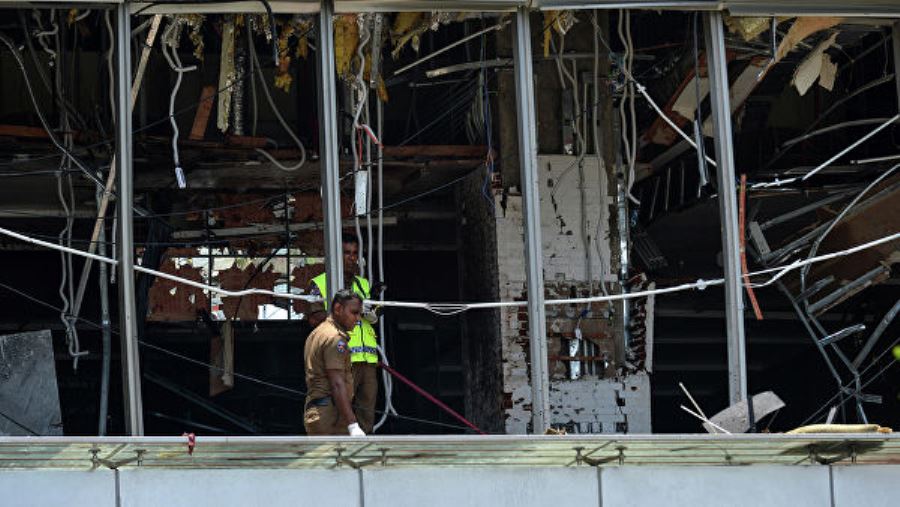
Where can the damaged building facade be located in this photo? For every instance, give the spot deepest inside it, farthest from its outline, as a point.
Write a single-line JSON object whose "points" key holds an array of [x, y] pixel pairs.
{"points": [[580, 213]]}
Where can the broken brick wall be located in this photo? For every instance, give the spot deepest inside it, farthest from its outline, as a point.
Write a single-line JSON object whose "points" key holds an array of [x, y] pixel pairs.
{"points": [[173, 302], [605, 396]]}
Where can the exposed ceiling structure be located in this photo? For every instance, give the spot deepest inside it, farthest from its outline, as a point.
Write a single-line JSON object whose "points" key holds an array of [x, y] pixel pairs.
{"points": [[227, 181]]}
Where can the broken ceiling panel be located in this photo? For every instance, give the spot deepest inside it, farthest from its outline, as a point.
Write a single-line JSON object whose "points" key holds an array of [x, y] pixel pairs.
{"points": [[686, 104], [812, 66], [800, 30], [829, 72]]}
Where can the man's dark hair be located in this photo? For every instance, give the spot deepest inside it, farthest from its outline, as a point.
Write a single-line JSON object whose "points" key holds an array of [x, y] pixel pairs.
{"points": [[349, 238], [343, 296]]}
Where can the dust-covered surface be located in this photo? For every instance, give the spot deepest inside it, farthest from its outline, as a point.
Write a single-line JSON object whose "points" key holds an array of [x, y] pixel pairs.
{"points": [[29, 398]]}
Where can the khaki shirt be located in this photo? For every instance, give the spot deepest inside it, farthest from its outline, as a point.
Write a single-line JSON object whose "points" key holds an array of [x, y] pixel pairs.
{"points": [[326, 349]]}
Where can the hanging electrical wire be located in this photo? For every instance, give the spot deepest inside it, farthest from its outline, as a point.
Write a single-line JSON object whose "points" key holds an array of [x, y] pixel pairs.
{"points": [[66, 196], [628, 126], [68, 153], [170, 40], [278, 116], [456, 308], [601, 164]]}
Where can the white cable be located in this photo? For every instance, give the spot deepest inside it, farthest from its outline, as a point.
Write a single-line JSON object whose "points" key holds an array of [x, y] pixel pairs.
{"points": [[783, 270], [67, 285], [643, 91], [386, 378], [579, 125], [83, 15], [278, 116], [41, 33], [623, 119], [631, 107], [836, 220], [454, 308], [360, 93], [64, 311], [595, 123], [175, 64]]}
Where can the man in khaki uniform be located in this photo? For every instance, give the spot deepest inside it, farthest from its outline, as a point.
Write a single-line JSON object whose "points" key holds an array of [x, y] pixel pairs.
{"points": [[363, 341], [329, 381]]}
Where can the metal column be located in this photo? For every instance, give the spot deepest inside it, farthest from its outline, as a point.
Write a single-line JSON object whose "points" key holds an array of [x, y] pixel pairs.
{"points": [[131, 368], [728, 209], [328, 150], [537, 323], [895, 35]]}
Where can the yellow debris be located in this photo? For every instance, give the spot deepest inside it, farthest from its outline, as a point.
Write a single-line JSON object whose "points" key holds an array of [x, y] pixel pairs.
{"points": [[408, 28], [404, 22], [549, 18], [840, 428], [346, 38], [749, 28], [303, 47], [560, 21], [283, 78], [380, 87]]}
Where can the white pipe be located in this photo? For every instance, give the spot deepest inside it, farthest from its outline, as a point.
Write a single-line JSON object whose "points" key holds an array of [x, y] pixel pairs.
{"points": [[854, 145], [704, 419], [875, 160], [498, 26]]}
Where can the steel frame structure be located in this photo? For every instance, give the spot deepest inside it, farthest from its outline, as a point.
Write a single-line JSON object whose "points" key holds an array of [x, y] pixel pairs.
{"points": [[131, 369], [720, 100], [527, 143], [531, 204]]}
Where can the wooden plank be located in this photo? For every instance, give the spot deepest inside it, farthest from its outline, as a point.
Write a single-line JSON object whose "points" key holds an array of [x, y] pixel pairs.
{"points": [[246, 141], [660, 132], [22, 131], [204, 110]]}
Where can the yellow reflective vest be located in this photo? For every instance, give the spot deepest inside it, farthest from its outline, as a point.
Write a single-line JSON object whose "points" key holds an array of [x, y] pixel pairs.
{"points": [[363, 341]]}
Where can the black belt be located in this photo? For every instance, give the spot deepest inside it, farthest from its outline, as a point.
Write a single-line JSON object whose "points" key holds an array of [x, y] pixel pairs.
{"points": [[319, 402]]}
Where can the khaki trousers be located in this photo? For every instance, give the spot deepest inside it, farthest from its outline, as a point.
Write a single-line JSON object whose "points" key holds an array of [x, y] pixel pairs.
{"points": [[365, 394], [324, 420]]}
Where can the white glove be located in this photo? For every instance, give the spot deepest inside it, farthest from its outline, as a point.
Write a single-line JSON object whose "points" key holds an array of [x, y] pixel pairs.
{"points": [[370, 315], [355, 430]]}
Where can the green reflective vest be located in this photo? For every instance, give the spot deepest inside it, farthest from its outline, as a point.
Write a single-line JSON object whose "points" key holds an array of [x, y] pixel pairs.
{"points": [[363, 342]]}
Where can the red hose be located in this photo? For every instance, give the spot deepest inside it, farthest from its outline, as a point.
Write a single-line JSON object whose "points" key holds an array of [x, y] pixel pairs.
{"points": [[742, 218], [430, 398]]}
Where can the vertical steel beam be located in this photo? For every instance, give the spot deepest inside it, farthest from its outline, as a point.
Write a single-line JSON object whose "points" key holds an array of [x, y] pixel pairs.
{"points": [[728, 209], [328, 149], [537, 323], [131, 368], [895, 35]]}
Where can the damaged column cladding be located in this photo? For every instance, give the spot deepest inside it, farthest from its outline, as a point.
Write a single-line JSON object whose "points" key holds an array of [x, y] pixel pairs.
{"points": [[595, 385]]}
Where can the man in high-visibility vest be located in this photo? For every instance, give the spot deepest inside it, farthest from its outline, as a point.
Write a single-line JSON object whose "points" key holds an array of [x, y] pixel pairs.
{"points": [[363, 342]]}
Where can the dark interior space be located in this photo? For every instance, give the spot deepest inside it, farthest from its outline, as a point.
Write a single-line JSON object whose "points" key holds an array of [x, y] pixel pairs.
{"points": [[227, 192]]}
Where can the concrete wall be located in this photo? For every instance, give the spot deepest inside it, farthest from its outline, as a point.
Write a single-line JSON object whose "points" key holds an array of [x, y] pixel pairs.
{"points": [[607, 399], [675, 486]]}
